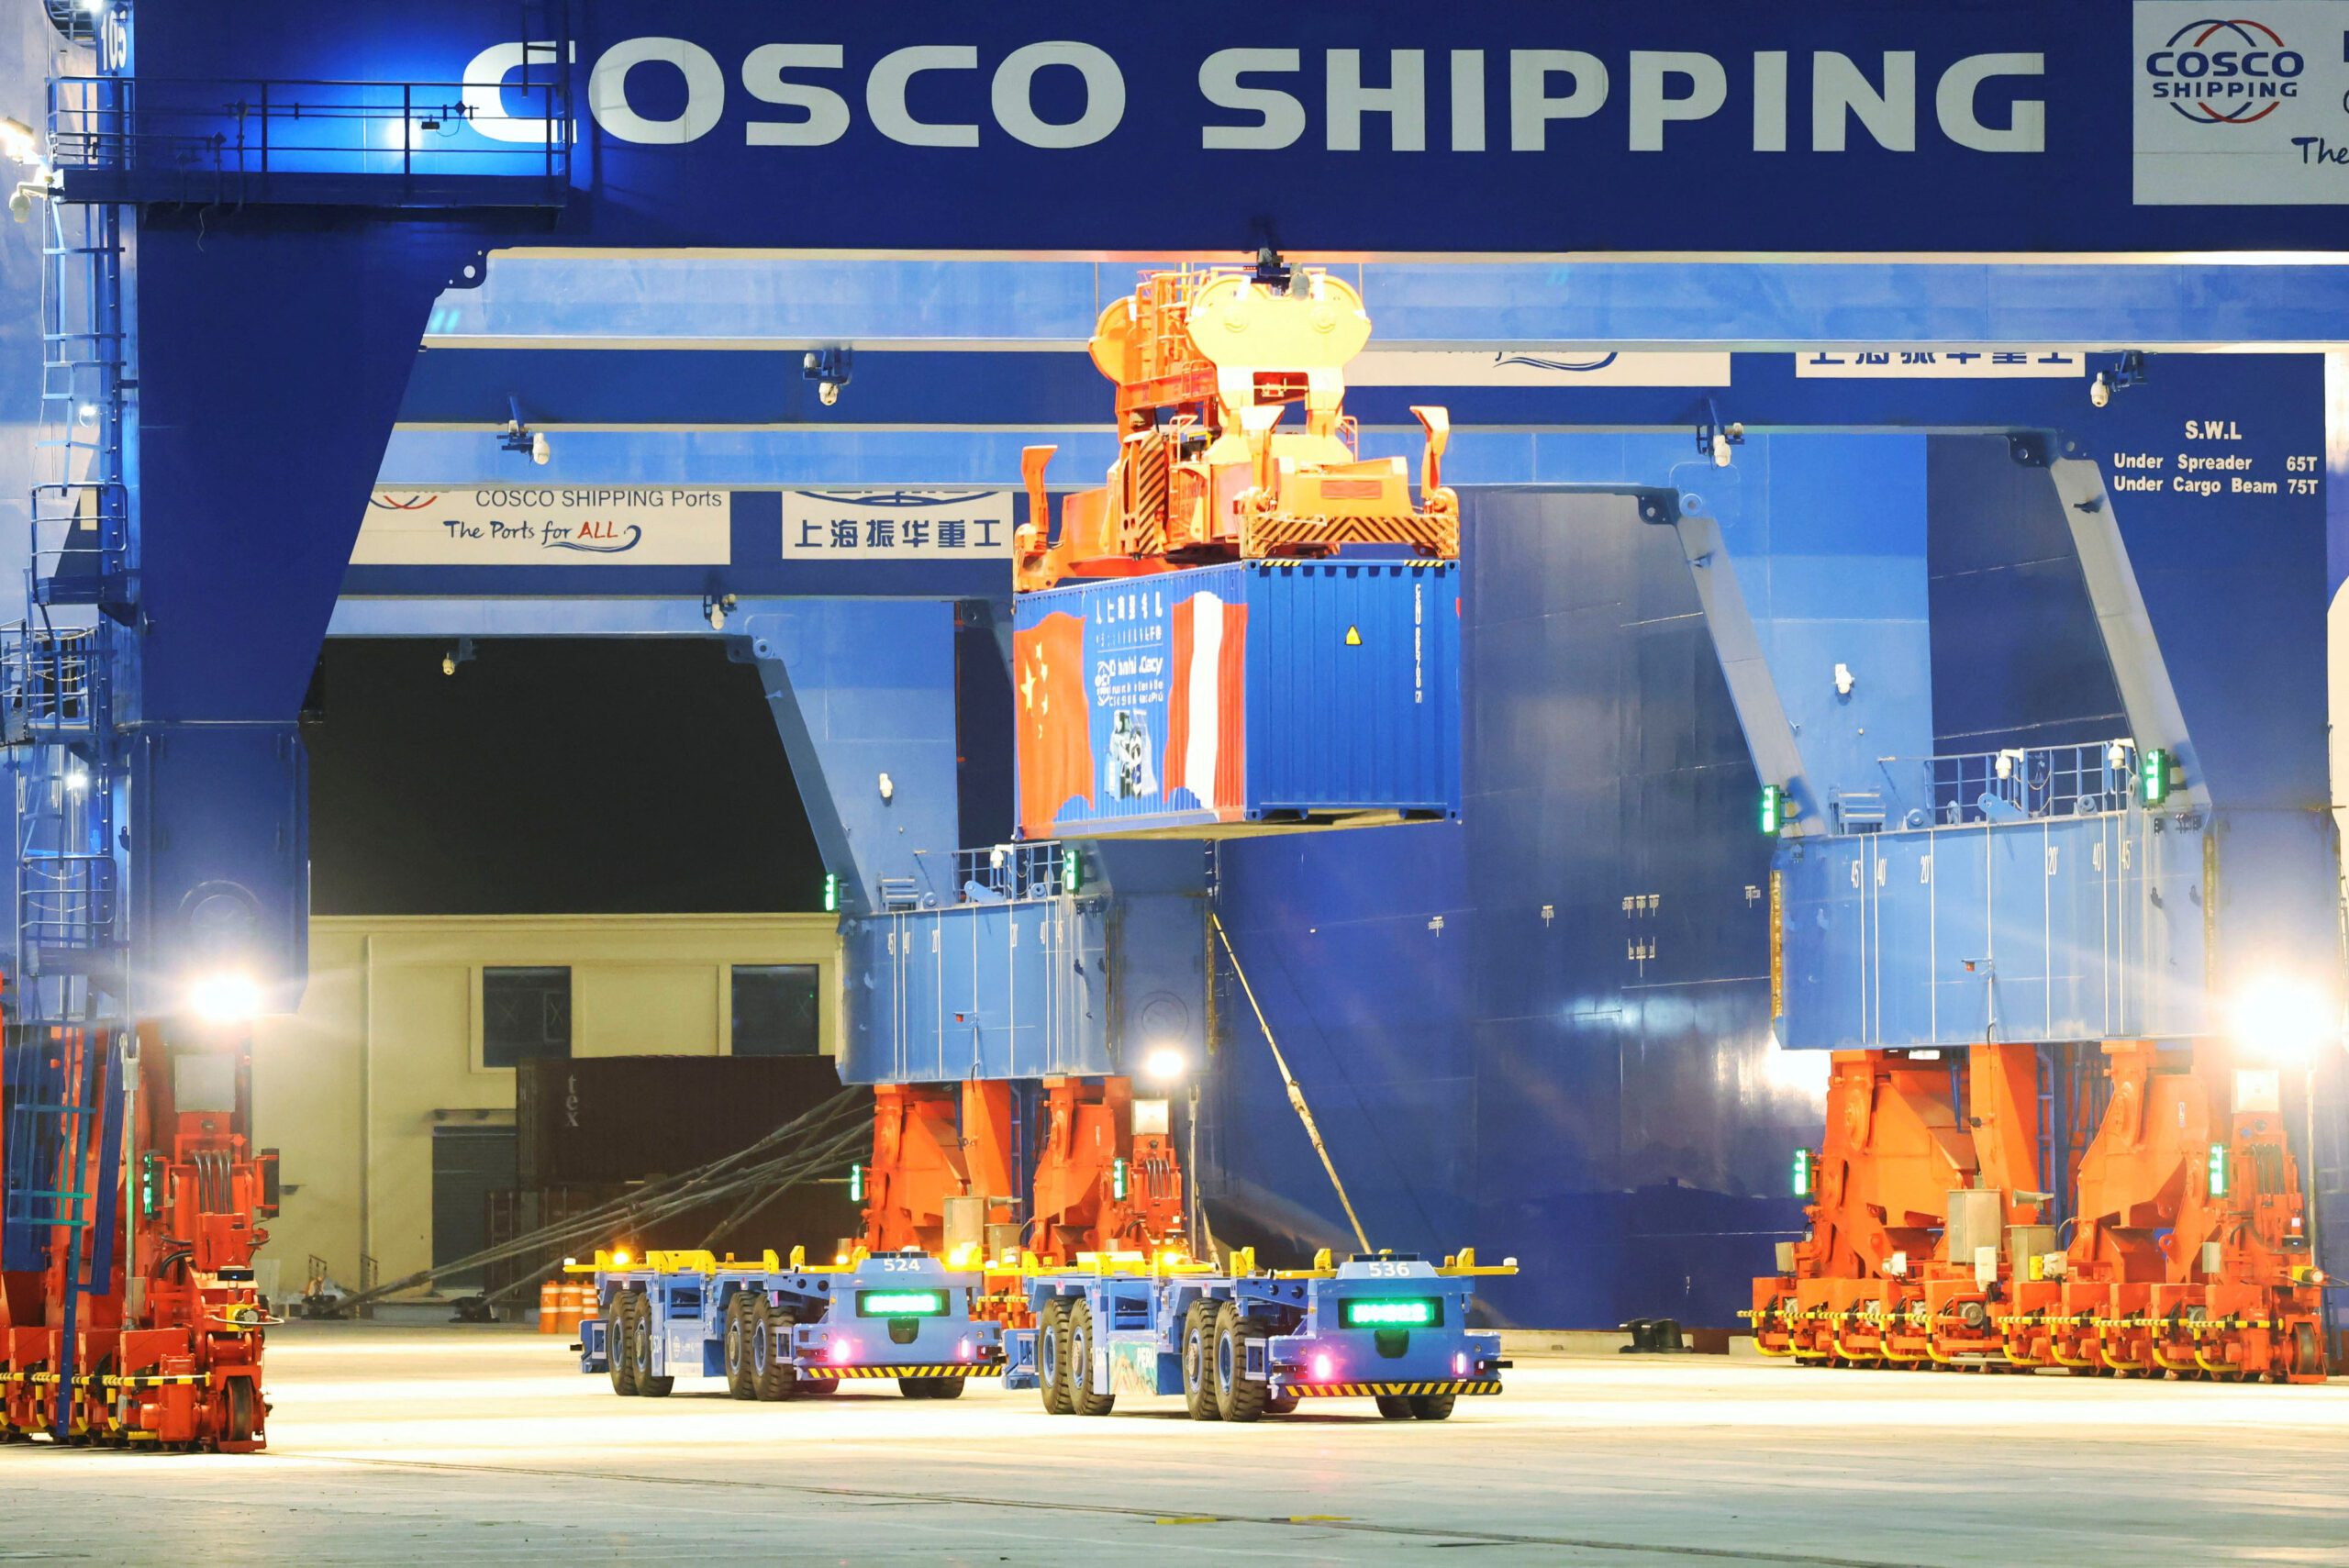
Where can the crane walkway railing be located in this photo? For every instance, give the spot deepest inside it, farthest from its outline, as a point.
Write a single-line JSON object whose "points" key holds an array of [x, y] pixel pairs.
{"points": [[233, 141]]}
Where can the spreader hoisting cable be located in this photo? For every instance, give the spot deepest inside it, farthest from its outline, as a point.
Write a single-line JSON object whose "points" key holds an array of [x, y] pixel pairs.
{"points": [[1296, 1094]]}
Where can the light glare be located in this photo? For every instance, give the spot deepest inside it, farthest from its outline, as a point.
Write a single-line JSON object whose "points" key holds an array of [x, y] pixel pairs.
{"points": [[2284, 1019], [1165, 1064], [225, 998]]}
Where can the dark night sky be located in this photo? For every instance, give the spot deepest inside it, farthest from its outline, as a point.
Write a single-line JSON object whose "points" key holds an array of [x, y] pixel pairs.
{"points": [[551, 776]]}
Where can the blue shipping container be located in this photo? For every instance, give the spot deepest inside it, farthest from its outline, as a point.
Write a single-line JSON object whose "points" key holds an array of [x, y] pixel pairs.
{"points": [[1228, 699]]}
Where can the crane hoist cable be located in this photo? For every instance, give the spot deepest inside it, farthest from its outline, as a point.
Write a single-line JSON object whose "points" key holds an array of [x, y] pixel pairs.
{"points": [[1296, 1094]]}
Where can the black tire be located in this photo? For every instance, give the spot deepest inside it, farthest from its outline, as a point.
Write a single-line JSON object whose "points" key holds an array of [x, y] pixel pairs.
{"points": [[1238, 1398], [807, 1386], [639, 1343], [773, 1375], [1082, 1399], [1052, 1356], [618, 1360], [1432, 1406], [241, 1414], [741, 1378], [2308, 1356], [1199, 1362], [918, 1387], [948, 1387], [1281, 1404], [1393, 1406]]}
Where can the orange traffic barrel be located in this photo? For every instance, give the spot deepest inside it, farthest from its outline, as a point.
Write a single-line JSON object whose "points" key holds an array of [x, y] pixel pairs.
{"points": [[551, 1306], [580, 1305]]}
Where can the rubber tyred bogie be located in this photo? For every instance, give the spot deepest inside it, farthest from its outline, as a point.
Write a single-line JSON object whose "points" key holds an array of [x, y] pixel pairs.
{"points": [[2188, 1259]]}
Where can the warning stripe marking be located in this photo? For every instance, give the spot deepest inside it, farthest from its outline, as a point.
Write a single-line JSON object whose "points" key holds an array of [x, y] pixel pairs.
{"points": [[88, 1380], [1372, 1390], [959, 1369]]}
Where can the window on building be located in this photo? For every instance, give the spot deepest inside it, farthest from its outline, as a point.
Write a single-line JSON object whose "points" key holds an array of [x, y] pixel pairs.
{"points": [[775, 1011], [524, 1013]]}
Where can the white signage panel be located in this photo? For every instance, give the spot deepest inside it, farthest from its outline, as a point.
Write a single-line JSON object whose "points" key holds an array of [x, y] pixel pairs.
{"points": [[545, 525], [896, 525], [2248, 107], [1548, 366]]}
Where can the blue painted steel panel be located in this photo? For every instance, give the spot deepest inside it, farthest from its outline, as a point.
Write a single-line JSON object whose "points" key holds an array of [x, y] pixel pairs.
{"points": [[1482, 1055], [1957, 897], [977, 991], [1084, 985], [1826, 988], [2014, 135], [2023, 937], [876, 302], [863, 690], [2011, 566], [219, 819], [1827, 535], [1231, 697], [2076, 927], [1902, 929]]}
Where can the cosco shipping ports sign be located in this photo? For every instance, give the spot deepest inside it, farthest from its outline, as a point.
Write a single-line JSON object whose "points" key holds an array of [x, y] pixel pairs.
{"points": [[545, 525], [1483, 125]]}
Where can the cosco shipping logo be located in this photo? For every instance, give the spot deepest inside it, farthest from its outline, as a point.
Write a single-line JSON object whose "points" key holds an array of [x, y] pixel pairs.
{"points": [[2217, 72]]}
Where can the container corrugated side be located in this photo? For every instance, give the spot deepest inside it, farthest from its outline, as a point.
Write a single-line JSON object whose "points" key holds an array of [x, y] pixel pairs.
{"points": [[1354, 689], [1235, 698]]}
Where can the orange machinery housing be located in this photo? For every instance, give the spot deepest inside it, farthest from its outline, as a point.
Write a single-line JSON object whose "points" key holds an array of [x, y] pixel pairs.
{"points": [[1206, 362], [166, 1330], [2187, 1251], [1102, 1183]]}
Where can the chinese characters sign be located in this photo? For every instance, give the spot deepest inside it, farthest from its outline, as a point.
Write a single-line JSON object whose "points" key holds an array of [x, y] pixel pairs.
{"points": [[896, 525], [545, 525], [1940, 364]]}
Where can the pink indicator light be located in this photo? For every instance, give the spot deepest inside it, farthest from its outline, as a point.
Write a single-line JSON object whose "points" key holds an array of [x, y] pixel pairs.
{"points": [[843, 1351], [1460, 1363], [962, 1351], [1322, 1368]]}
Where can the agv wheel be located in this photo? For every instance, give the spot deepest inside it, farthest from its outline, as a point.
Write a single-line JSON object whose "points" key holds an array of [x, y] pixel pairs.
{"points": [[1052, 1356], [1432, 1406], [1238, 1396], [619, 1360], [1199, 1362], [742, 1377], [1081, 1397], [640, 1341], [774, 1377], [1393, 1406]]}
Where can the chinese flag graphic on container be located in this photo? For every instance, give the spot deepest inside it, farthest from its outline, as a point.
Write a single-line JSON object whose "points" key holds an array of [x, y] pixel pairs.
{"points": [[1205, 740], [1055, 721]]}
